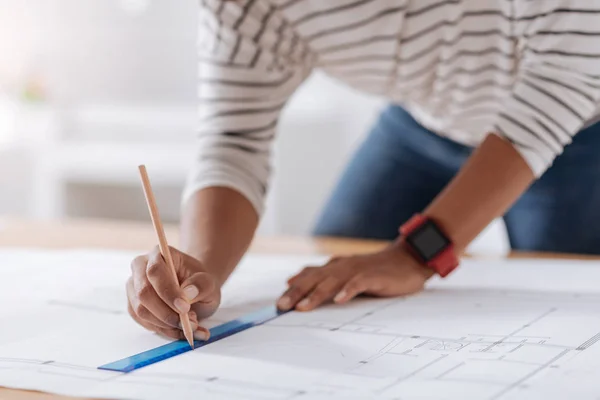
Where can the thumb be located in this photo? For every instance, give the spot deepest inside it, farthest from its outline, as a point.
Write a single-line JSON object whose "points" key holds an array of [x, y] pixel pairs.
{"points": [[199, 287]]}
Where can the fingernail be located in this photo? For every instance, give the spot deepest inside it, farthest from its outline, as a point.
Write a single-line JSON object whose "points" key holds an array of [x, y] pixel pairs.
{"points": [[182, 306], [304, 303], [340, 296], [284, 303], [191, 292], [201, 335]]}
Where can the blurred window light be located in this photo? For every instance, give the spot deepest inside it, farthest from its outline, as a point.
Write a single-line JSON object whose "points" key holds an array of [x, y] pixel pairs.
{"points": [[134, 7]]}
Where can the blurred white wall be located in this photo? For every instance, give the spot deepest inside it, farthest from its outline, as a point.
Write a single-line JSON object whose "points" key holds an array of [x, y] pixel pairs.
{"points": [[99, 51], [114, 84]]}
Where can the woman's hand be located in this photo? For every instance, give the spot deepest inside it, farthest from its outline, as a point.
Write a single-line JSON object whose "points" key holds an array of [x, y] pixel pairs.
{"points": [[155, 300], [391, 272]]}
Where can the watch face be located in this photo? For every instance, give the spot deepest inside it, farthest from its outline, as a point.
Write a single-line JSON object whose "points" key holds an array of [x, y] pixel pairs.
{"points": [[428, 241]]}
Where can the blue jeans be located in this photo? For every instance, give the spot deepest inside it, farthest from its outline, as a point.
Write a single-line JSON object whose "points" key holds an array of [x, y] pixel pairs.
{"points": [[402, 166]]}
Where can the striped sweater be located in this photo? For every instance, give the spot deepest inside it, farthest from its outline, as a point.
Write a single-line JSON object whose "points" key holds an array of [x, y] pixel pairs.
{"points": [[528, 70]]}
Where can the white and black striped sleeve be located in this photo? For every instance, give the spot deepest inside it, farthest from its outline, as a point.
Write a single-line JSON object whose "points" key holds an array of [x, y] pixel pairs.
{"points": [[250, 63], [557, 88]]}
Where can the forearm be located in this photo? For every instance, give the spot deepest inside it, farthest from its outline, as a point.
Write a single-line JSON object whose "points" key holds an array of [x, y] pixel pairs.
{"points": [[217, 227], [487, 185]]}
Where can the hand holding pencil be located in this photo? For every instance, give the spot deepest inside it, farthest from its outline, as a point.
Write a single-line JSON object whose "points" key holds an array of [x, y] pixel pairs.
{"points": [[170, 291]]}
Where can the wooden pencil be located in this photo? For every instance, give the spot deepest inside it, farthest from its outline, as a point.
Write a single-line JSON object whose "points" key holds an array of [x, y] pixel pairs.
{"points": [[164, 246]]}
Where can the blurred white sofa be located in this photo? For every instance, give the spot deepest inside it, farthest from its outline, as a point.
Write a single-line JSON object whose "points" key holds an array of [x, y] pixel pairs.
{"points": [[92, 171], [100, 145]]}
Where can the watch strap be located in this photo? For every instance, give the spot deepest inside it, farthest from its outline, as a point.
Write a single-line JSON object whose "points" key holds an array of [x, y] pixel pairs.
{"points": [[444, 262], [413, 223]]}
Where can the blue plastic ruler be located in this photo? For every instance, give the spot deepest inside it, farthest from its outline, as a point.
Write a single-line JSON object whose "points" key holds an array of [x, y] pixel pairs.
{"points": [[161, 353]]}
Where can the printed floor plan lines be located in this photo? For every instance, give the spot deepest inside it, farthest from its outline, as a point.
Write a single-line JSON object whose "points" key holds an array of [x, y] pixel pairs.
{"points": [[492, 331], [502, 362]]}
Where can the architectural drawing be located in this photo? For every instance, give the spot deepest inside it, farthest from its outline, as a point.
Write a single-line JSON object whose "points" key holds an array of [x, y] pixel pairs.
{"points": [[483, 344], [455, 340]]}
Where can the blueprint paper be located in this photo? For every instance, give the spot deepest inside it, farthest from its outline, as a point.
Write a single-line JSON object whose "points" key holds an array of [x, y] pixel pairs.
{"points": [[517, 329]]}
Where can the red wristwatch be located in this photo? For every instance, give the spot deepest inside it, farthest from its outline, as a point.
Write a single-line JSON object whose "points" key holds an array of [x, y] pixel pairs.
{"points": [[428, 243]]}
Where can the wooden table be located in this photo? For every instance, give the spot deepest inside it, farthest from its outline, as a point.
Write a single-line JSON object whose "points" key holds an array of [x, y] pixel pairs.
{"points": [[140, 236]]}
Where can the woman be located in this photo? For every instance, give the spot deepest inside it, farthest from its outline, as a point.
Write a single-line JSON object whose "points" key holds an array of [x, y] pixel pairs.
{"points": [[486, 97]]}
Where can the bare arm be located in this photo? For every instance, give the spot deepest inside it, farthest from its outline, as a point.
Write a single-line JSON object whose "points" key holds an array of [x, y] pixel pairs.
{"points": [[217, 227], [492, 179], [488, 184], [218, 223], [241, 96]]}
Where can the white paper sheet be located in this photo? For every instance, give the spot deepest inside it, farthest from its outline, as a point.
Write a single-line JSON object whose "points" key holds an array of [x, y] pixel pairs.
{"points": [[493, 330]]}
